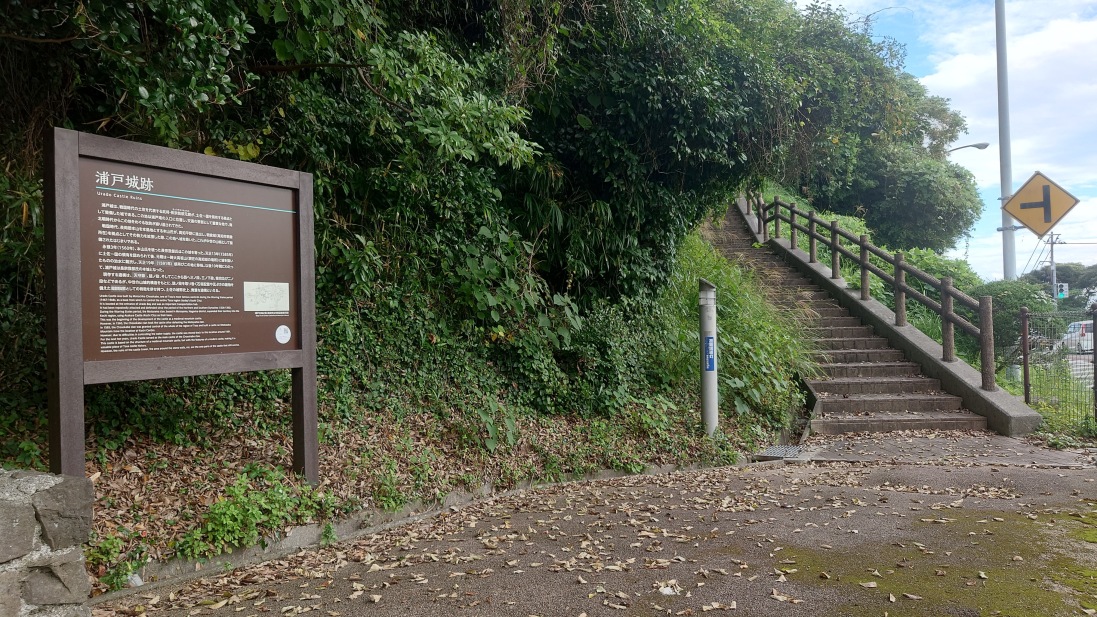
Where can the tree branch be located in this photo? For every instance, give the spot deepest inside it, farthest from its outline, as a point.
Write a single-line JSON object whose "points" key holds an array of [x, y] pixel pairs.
{"points": [[30, 39], [290, 68]]}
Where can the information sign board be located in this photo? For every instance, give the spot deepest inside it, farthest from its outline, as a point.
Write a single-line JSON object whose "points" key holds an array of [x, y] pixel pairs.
{"points": [[165, 263], [175, 266]]}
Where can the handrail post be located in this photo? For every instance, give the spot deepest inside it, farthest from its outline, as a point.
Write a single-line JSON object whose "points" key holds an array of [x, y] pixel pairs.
{"points": [[792, 238], [1025, 355], [835, 256], [776, 218], [763, 223], [948, 328], [813, 247], [760, 217], [865, 292], [986, 334], [900, 291]]}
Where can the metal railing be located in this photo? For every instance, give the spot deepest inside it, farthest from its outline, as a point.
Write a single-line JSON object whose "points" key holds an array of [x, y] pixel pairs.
{"points": [[1058, 367], [835, 239]]}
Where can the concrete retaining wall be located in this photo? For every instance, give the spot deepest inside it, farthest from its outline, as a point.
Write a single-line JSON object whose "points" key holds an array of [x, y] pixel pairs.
{"points": [[44, 522]]}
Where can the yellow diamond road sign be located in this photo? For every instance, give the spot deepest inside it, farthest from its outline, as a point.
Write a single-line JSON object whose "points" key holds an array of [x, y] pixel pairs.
{"points": [[1039, 204]]}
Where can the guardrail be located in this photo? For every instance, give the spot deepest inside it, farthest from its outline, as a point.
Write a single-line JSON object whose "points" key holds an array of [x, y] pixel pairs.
{"points": [[835, 239]]}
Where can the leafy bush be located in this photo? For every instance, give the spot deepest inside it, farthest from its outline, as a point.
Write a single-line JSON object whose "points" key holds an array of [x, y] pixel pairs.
{"points": [[1008, 297], [759, 353], [258, 504]]}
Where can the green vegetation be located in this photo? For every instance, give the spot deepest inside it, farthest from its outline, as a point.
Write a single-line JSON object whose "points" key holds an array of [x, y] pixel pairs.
{"points": [[507, 199], [257, 503], [1081, 279], [956, 578], [870, 141]]}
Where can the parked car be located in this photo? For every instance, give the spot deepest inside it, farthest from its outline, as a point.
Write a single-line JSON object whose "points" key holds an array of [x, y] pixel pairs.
{"points": [[1079, 337]]}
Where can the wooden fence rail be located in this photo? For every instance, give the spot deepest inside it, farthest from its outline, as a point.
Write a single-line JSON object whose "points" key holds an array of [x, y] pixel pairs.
{"points": [[862, 253]]}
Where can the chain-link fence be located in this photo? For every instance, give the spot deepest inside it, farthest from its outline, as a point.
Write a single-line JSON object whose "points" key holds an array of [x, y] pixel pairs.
{"points": [[1058, 370]]}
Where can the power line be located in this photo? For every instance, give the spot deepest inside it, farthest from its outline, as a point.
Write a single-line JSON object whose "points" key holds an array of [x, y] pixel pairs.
{"points": [[1039, 247]]}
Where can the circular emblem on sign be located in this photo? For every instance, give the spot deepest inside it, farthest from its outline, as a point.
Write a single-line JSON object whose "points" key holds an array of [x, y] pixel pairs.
{"points": [[282, 334]]}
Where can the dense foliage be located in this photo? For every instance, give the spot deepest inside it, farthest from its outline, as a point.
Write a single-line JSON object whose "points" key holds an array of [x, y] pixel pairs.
{"points": [[1080, 279], [501, 188], [506, 199], [870, 141]]}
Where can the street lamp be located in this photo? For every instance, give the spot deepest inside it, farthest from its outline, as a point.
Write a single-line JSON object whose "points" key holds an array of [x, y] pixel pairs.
{"points": [[982, 145]]}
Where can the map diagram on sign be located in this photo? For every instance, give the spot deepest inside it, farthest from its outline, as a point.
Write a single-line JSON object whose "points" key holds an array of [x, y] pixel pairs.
{"points": [[264, 297]]}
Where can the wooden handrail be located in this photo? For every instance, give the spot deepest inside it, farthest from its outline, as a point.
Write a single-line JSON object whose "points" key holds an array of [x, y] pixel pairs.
{"points": [[832, 236]]}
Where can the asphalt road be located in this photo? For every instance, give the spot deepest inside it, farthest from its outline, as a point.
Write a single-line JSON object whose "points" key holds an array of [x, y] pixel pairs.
{"points": [[911, 537]]}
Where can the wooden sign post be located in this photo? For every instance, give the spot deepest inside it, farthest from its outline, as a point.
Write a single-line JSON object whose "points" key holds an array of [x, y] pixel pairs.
{"points": [[164, 263]]}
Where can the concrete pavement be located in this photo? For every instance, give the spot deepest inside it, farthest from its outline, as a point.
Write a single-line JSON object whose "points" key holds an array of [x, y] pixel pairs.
{"points": [[905, 524]]}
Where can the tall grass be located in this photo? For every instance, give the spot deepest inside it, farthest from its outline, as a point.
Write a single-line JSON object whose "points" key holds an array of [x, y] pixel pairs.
{"points": [[759, 350]]}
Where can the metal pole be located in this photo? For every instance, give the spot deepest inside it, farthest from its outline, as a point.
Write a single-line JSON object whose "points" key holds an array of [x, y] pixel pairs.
{"points": [[1009, 251], [1054, 277], [1025, 354], [1093, 351], [709, 391]]}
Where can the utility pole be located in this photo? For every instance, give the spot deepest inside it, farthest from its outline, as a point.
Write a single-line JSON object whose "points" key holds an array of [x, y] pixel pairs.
{"points": [[1009, 251], [1054, 278]]}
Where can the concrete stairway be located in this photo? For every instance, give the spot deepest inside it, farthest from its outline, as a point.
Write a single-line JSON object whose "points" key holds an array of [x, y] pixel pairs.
{"points": [[866, 386]]}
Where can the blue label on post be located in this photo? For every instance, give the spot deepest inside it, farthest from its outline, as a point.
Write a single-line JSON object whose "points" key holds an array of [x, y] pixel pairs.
{"points": [[710, 353]]}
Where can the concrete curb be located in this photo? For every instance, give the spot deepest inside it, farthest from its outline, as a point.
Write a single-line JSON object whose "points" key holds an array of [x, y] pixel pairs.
{"points": [[157, 574]]}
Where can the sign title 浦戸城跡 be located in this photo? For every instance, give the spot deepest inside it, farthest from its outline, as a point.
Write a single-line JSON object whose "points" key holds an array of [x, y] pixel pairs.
{"points": [[107, 179]]}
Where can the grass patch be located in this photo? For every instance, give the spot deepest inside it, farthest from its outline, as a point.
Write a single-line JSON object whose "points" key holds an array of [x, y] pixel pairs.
{"points": [[977, 573]]}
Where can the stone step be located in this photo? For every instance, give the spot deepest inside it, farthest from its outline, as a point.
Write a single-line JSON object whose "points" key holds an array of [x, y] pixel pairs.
{"points": [[872, 403], [848, 356], [864, 342], [868, 386], [871, 369], [796, 294], [961, 420], [819, 309], [840, 321], [826, 331], [876, 385]]}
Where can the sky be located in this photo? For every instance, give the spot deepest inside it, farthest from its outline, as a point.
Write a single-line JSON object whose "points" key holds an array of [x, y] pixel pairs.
{"points": [[1052, 61]]}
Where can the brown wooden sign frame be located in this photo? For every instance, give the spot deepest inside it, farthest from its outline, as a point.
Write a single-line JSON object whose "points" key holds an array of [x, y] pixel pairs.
{"points": [[69, 371]]}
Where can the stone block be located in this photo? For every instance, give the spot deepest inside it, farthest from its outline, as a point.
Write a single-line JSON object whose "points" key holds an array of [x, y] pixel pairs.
{"points": [[11, 583], [62, 583], [64, 510], [16, 530], [68, 610]]}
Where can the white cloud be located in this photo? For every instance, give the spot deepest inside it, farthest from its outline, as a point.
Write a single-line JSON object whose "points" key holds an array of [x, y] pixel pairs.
{"points": [[1052, 60]]}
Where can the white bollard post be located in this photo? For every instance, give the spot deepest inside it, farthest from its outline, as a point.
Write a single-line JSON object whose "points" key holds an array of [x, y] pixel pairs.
{"points": [[709, 393]]}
